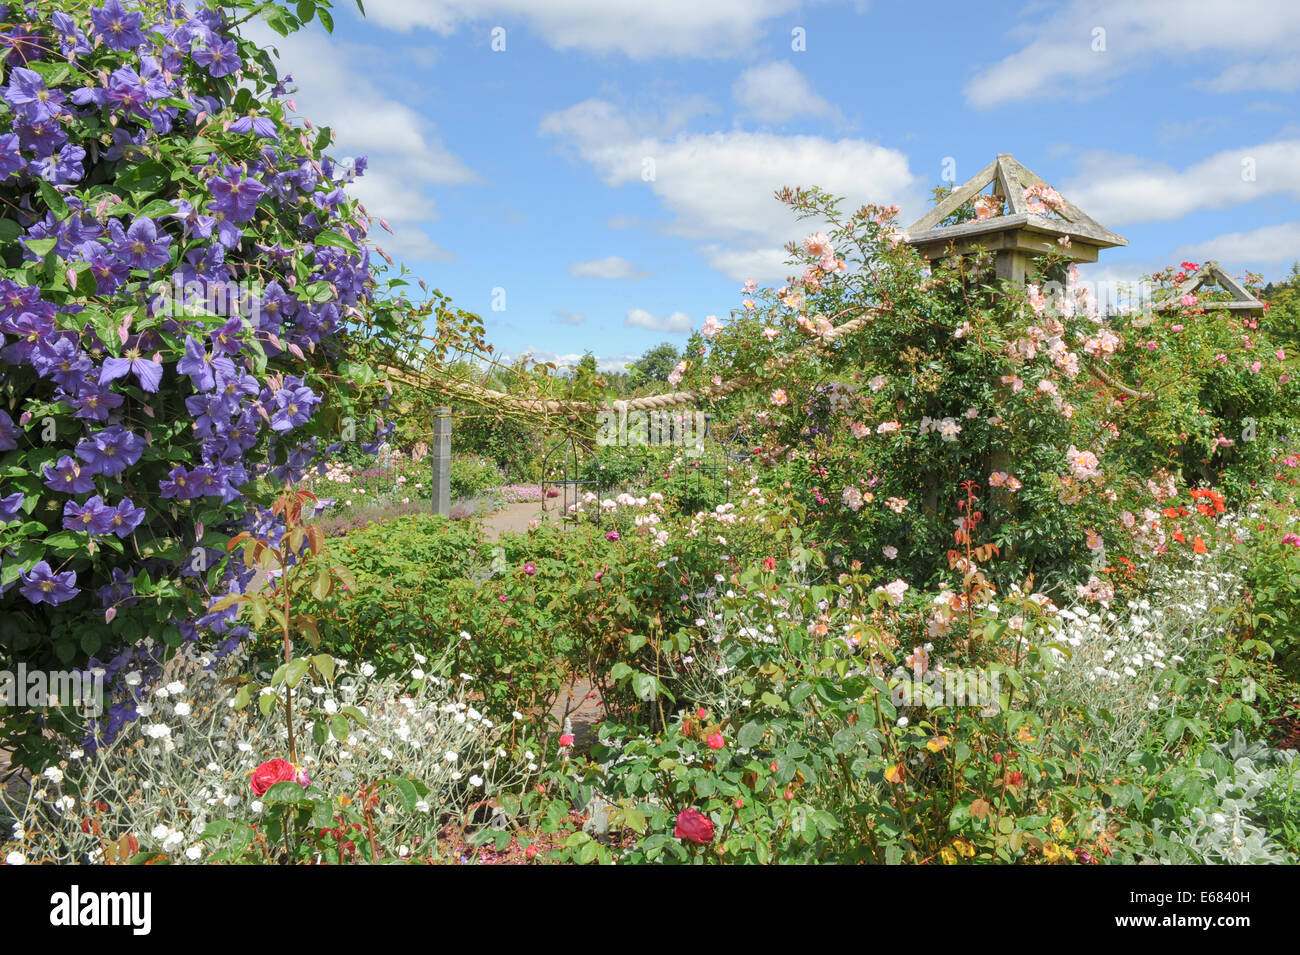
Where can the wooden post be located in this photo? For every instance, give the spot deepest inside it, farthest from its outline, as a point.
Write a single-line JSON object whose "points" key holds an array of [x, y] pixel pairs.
{"points": [[440, 454]]}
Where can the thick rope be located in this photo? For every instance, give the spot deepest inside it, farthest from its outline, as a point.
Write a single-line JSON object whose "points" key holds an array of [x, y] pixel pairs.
{"points": [[472, 392], [489, 396]]}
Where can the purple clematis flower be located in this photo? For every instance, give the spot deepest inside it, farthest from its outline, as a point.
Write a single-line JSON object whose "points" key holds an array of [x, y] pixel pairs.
{"points": [[8, 432], [29, 96], [262, 126], [195, 222], [293, 406], [234, 195], [43, 585], [119, 27], [72, 42], [68, 477], [11, 160], [109, 271], [125, 518], [182, 484], [92, 517], [147, 371], [140, 246], [61, 168], [110, 451], [200, 367], [220, 57], [10, 506], [93, 402], [64, 362]]}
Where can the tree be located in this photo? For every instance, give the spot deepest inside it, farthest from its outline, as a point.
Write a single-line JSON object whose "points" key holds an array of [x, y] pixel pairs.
{"points": [[656, 364]]}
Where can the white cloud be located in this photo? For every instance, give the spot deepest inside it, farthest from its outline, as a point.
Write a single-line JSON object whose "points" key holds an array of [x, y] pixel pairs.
{"points": [[406, 157], [1270, 243], [688, 28], [1123, 189], [776, 92], [610, 267], [678, 323], [718, 187], [1060, 60], [761, 265], [566, 317], [570, 359]]}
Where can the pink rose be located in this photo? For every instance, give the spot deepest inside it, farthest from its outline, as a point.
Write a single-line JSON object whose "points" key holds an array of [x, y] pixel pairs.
{"points": [[716, 741], [566, 741], [693, 826]]}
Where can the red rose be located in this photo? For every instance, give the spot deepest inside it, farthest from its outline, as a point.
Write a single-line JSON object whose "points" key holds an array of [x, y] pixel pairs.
{"points": [[716, 741], [694, 826], [566, 740], [271, 772], [769, 563]]}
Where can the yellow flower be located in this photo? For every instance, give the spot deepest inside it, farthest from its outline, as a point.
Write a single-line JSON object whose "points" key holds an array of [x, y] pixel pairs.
{"points": [[1058, 826], [1051, 851], [948, 856], [1025, 735], [964, 848], [1069, 854]]}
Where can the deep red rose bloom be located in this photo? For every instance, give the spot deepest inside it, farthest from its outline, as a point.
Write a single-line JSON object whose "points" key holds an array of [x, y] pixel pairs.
{"points": [[271, 772], [693, 826]]}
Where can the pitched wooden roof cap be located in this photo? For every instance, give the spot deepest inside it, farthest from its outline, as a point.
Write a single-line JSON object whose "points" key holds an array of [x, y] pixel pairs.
{"points": [[1022, 226]]}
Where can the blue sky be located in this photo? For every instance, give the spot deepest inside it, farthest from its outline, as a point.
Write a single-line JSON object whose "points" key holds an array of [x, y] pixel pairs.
{"points": [[522, 169]]}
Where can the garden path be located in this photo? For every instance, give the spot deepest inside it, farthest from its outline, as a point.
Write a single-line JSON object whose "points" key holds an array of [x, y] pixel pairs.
{"points": [[514, 518]]}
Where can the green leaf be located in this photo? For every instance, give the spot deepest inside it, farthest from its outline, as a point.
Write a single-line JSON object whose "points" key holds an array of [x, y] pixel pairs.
{"points": [[53, 199], [750, 735], [330, 237]]}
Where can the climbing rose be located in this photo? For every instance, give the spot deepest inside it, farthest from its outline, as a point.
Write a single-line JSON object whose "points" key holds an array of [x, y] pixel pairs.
{"points": [[694, 827]]}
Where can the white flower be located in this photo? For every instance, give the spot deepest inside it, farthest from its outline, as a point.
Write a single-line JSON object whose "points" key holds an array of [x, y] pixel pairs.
{"points": [[175, 687], [193, 853], [367, 670], [15, 858], [132, 678], [476, 780], [450, 756], [157, 731], [422, 806], [53, 774], [902, 721], [182, 709]]}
